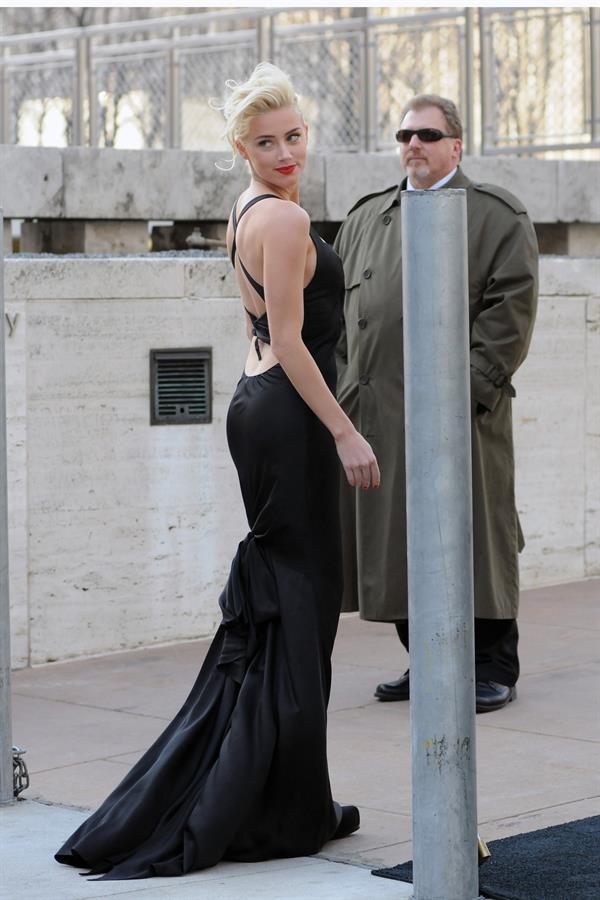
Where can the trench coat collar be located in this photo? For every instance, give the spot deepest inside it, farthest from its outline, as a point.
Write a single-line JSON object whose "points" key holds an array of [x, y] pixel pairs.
{"points": [[460, 180]]}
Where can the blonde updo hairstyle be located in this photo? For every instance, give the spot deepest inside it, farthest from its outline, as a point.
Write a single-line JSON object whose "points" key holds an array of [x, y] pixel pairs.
{"points": [[268, 88]]}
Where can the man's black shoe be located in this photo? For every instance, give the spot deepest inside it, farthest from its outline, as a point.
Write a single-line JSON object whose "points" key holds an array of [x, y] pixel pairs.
{"points": [[394, 690], [489, 695]]}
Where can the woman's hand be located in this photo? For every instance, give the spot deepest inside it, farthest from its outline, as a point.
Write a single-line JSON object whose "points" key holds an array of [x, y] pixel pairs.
{"points": [[358, 460]]}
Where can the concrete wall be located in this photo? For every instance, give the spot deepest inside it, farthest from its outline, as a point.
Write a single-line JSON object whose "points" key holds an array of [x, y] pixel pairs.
{"points": [[84, 183], [557, 427], [121, 534]]}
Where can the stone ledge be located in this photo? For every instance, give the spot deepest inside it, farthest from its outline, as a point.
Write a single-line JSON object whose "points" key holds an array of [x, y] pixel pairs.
{"points": [[199, 278], [90, 183], [112, 278], [569, 276], [31, 182], [119, 278], [578, 191]]}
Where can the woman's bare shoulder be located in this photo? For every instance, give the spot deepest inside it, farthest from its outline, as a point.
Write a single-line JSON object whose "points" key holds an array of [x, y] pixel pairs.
{"points": [[280, 217]]}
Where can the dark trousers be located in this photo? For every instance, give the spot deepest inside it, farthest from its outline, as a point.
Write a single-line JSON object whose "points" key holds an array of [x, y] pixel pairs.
{"points": [[496, 642]]}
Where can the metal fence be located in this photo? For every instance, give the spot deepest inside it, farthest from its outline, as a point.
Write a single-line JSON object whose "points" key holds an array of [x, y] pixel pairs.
{"points": [[527, 80], [540, 84]]}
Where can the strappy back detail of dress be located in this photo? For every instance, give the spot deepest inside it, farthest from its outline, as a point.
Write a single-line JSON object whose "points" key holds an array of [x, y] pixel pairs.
{"points": [[327, 271], [235, 220]]}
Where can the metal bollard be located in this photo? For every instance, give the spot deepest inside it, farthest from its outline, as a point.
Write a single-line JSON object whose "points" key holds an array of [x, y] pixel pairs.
{"points": [[6, 750], [440, 554]]}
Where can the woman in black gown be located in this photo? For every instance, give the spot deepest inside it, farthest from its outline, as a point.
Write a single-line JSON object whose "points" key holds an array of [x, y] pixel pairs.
{"points": [[241, 771]]}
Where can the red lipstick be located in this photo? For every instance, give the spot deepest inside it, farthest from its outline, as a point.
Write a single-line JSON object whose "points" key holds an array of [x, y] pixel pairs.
{"points": [[286, 170]]}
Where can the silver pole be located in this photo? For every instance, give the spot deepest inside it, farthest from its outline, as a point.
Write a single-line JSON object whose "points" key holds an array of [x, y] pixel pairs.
{"points": [[82, 51], [6, 763], [595, 73], [469, 58], [93, 99], [5, 135], [370, 85], [173, 93], [265, 38], [486, 75], [440, 554]]}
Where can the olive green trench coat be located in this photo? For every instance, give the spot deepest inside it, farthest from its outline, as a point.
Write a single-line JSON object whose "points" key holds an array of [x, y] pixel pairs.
{"points": [[503, 261]]}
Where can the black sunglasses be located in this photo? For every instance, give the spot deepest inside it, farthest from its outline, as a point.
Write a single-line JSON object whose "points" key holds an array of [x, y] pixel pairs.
{"points": [[427, 135]]}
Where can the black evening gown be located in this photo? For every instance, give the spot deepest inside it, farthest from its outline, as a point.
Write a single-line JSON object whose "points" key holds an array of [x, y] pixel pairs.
{"points": [[241, 771]]}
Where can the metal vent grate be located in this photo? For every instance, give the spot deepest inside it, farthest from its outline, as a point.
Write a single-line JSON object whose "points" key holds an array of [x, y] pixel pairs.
{"points": [[180, 386]]}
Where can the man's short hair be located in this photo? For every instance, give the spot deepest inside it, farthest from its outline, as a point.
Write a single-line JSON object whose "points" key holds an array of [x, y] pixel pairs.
{"points": [[446, 107]]}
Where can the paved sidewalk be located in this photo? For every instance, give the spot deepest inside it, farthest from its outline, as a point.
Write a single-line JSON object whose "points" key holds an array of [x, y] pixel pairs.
{"points": [[35, 876], [84, 723]]}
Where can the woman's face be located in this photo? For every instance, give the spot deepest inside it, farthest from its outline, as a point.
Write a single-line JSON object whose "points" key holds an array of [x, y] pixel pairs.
{"points": [[275, 146]]}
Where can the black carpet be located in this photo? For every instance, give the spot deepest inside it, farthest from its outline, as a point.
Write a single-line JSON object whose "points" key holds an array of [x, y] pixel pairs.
{"points": [[558, 863]]}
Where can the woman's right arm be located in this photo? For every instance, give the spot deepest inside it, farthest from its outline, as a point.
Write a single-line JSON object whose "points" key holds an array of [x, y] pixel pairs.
{"points": [[285, 239]]}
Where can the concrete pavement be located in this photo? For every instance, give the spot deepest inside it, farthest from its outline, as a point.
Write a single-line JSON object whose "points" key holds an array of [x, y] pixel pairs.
{"points": [[84, 723], [35, 876]]}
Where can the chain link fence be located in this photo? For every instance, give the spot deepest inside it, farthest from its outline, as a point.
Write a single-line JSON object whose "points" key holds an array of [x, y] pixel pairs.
{"points": [[527, 79], [131, 102], [539, 71], [416, 60], [326, 72], [202, 75], [41, 104]]}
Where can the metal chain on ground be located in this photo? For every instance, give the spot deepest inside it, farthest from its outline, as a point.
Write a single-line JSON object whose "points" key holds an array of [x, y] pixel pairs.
{"points": [[20, 773]]}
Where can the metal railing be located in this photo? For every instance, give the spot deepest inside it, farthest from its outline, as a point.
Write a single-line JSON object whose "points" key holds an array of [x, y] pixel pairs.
{"points": [[527, 80], [540, 79], [6, 748]]}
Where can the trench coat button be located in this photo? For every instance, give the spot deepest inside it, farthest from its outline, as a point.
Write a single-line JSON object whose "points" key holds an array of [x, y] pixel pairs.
{"points": [[362, 323], [367, 273], [364, 379], [387, 220]]}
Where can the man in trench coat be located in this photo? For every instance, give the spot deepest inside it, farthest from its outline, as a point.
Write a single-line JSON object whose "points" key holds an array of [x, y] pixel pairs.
{"points": [[503, 258]]}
